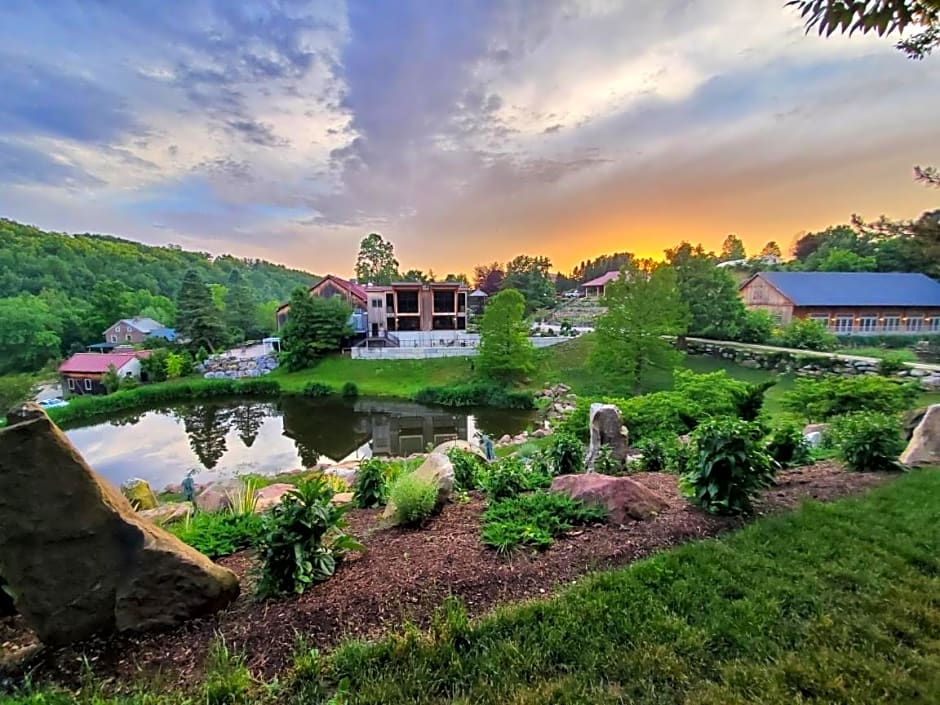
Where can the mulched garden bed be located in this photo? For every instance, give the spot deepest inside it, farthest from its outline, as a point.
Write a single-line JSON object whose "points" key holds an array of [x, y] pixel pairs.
{"points": [[406, 574]]}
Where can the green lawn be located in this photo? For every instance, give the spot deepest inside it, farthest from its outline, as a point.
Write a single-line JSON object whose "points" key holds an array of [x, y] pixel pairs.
{"points": [[393, 378], [905, 354], [834, 603]]}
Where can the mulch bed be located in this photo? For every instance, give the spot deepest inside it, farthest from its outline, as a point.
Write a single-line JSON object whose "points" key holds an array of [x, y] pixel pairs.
{"points": [[405, 574]]}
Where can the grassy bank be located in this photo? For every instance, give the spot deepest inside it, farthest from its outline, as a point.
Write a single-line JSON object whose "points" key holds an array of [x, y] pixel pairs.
{"points": [[833, 604]]}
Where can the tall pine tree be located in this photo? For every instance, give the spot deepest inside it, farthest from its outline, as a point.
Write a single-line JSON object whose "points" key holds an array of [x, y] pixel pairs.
{"points": [[197, 317], [240, 308]]}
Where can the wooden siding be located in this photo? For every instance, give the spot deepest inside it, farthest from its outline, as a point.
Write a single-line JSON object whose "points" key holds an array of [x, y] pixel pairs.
{"points": [[759, 295]]}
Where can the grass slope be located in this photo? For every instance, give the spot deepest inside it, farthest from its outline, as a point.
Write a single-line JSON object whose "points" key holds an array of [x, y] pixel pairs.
{"points": [[835, 603]]}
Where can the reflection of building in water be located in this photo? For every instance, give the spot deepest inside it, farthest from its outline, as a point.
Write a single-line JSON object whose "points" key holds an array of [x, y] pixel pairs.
{"points": [[403, 435]]}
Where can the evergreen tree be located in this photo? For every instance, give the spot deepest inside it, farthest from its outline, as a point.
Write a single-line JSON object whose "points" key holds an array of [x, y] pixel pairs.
{"points": [[506, 353], [315, 326], [197, 317], [207, 426], [642, 308], [240, 308], [248, 420]]}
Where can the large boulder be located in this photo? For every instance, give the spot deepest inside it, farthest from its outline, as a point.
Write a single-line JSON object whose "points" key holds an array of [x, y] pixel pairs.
{"points": [[460, 445], [622, 497], [139, 494], [75, 553], [607, 429], [439, 471], [924, 446], [270, 496], [167, 513], [217, 496]]}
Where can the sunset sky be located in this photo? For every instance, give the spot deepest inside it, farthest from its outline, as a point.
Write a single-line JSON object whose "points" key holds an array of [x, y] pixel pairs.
{"points": [[462, 131]]}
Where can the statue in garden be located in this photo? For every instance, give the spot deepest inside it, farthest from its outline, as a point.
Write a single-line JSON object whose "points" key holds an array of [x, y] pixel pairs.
{"points": [[189, 487]]}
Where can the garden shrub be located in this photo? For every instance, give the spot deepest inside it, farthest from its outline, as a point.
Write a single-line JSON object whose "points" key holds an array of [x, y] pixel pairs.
{"points": [[657, 452], [868, 440], [823, 398], [787, 446], [218, 534], [805, 334], [890, 364], [605, 462], [317, 389], [566, 454], [370, 489], [350, 390], [477, 393], [726, 465], [534, 520], [467, 468], [750, 401], [303, 540], [414, 498], [510, 476]]}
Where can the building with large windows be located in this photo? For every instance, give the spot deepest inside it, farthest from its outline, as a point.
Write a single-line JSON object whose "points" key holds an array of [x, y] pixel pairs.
{"points": [[849, 303]]}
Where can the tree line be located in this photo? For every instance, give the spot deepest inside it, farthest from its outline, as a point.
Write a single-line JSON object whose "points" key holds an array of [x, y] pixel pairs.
{"points": [[58, 293]]}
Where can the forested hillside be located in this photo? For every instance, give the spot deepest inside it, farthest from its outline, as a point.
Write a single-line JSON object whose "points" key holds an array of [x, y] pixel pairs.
{"points": [[59, 292]]}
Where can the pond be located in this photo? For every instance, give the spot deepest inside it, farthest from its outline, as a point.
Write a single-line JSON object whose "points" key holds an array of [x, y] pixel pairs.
{"points": [[234, 437]]}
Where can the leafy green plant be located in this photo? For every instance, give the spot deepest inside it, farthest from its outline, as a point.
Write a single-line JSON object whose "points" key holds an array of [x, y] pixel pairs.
{"points": [[868, 441], [566, 454], [534, 520], [605, 462], [350, 390], [834, 395], [414, 500], [891, 363], [467, 467], [370, 489], [805, 334], [510, 476], [787, 446], [657, 452], [476, 393], [726, 466], [303, 540], [317, 389], [218, 534]]}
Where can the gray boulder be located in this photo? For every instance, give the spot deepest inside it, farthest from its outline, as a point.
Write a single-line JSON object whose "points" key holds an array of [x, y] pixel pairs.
{"points": [[924, 446], [607, 429]]}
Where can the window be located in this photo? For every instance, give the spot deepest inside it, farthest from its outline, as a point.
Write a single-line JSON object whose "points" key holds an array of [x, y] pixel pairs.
{"points": [[113, 338], [892, 324], [117, 328], [822, 319], [71, 384], [844, 324], [127, 337], [934, 323], [915, 324], [867, 324], [87, 385], [376, 303]]}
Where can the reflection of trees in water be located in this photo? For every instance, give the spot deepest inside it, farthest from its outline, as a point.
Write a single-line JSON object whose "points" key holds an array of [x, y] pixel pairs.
{"points": [[321, 427], [207, 425], [248, 420]]}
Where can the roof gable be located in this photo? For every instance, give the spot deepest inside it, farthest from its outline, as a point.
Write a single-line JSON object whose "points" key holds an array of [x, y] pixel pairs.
{"points": [[604, 278], [98, 363], [854, 288]]}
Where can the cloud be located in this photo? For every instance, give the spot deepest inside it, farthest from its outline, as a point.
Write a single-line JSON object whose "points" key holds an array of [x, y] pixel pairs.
{"points": [[21, 164]]}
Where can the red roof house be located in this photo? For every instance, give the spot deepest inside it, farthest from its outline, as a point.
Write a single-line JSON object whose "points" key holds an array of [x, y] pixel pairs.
{"points": [[596, 287], [82, 373]]}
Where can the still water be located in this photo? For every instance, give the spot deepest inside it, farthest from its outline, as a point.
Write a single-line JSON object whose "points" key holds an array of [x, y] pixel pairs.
{"points": [[225, 438]]}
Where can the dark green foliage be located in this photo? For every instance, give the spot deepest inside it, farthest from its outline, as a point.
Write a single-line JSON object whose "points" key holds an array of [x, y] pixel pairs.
{"points": [[835, 395], [303, 540], [350, 390], [315, 327], [241, 309], [506, 353], [530, 277], [755, 327], [15, 388], [868, 440], [370, 490], [415, 499], [218, 534], [477, 393], [317, 389], [566, 454], [726, 465], [805, 334], [197, 317], [467, 469], [787, 446], [534, 519], [750, 401], [509, 476], [153, 368], [891, 363], [658, 452], [605, 462]]}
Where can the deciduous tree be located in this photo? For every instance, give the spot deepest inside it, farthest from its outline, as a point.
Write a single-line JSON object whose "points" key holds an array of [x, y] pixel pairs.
{"points": [[709, 293], [530, 277], [642, 308], [376, 263], [315, 327], [488, 277], [732, 249], [506, 353]]}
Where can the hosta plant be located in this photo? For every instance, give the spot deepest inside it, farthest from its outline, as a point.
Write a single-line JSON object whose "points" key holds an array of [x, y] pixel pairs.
{"points": [[868, 440], [370, 490], [788, 447], [303, 540], [726, 465]]}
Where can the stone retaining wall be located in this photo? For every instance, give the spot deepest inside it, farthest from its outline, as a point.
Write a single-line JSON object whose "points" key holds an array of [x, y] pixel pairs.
{"points": [[800, 363], [218, 367]]}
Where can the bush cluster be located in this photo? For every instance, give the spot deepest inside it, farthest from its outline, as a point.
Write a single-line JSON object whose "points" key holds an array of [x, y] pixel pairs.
{"points": [[317, 389], [534, 519], [788, 447], [414, 498], [868, 440], [303, 539], [370, 489], [726, 464], [467, 469], [218, 534], [477, 393], [805, 334], [565, 454], [510, 476], [836, 395]]}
